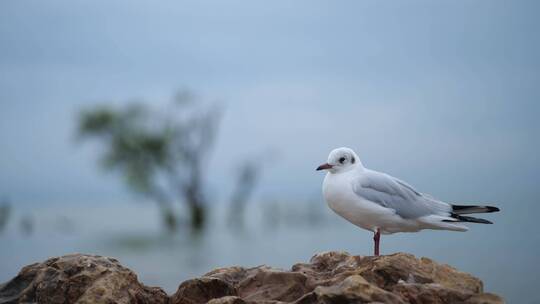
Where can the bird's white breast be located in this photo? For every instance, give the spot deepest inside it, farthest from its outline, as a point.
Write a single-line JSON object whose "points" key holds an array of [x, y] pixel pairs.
{"points": [[340, 196]]}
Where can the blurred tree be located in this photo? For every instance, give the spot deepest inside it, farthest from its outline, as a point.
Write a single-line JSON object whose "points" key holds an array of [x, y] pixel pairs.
{"points": [[5, 212], [247, 178], [160, 153], [26, 224]]}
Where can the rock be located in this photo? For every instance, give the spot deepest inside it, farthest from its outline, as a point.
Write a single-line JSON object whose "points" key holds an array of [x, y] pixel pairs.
{"points": [[386, 271], [338, 277], [354, 289], [78, 278], [264, 283], [202, 290], [484, 298], [227, 300], [330, 277]]}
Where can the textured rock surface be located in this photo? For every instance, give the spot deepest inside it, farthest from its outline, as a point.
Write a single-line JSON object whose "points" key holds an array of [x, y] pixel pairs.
{"points": [[78, 278], [331, 277], [337, 277]]}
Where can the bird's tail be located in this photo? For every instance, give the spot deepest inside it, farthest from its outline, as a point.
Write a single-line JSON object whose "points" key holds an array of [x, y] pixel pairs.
{"points": [[458, 210]]}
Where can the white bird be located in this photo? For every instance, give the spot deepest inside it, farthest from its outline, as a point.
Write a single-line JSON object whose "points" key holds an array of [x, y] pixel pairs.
{"points": [[384, 204]]}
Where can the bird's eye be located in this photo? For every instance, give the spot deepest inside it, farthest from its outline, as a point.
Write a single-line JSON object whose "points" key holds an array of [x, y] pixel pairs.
{"points": [[342, 160], [352, 160]]}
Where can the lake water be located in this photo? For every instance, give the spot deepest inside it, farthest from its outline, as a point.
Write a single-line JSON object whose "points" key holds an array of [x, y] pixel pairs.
{"points": [[278, 235]]}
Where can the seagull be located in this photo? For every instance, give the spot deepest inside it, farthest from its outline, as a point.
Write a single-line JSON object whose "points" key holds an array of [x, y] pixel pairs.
{"points": [[381, 203]]}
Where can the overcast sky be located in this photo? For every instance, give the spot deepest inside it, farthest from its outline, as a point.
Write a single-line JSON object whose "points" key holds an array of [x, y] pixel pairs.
{"points": [[442, 94]]}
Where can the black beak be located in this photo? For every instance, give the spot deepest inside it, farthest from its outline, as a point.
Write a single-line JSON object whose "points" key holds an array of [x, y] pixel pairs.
{"points": [[324, 167]]}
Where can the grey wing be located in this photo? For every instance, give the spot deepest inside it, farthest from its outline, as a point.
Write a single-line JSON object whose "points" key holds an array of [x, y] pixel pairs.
{"points": [[395, 194]]}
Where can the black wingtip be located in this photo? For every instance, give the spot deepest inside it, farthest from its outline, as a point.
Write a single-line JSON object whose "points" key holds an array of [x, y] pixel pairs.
{"points": [[468, 209], [476, 220], [468, 219], [492, 209]]}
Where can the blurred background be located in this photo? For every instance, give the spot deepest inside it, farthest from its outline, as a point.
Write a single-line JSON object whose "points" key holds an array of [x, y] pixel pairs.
{"points": [[180, 136]]}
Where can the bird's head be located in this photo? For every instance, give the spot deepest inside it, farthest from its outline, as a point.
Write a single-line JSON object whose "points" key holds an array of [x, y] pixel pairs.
{"points": [[341, 160]]}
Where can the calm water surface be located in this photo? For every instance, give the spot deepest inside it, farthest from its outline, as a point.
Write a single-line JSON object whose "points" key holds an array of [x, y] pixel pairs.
{"points": [[133, 234]]}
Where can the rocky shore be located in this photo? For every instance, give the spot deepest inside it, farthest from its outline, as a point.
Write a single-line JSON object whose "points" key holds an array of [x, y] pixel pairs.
{"points": [[329, 277]]}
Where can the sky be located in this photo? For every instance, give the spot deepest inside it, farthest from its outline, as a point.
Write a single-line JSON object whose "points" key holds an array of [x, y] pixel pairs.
{"points": [[433, 92], [444, 95]]}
